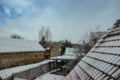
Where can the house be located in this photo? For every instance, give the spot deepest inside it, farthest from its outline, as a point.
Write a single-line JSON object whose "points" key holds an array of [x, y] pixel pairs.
{"points": [[70, 54], [102, 62], [14, 52]]}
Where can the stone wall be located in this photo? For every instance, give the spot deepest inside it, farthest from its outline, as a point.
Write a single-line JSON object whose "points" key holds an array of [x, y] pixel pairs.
{"points": [[34, 72], [19, 58]]}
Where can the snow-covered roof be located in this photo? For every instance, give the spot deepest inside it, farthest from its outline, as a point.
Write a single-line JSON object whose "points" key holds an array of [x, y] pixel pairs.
{"points": [[69, 54], [70, 51], [19, 79], [8, 44], [103, 60], [64, 57]]}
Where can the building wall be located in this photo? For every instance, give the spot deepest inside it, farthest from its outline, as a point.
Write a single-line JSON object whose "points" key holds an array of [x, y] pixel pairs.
{"points": [[19, 58], [55, 50]]}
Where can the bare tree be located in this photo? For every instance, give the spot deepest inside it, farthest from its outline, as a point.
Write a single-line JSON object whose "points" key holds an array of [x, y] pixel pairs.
{"points": [[41, 33], [45, 36], [45, 33], [48, 35]]}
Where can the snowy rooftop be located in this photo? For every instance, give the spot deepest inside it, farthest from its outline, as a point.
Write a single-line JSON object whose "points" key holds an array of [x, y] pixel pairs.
{"points": [[103, 60], [69, 54], [18, 45], [49, 76], [64, 57], [70, 51], [19, 79], [8, 72]]}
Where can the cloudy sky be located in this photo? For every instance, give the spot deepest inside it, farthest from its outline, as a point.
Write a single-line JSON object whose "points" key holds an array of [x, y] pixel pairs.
{"points": [[67, 19]]}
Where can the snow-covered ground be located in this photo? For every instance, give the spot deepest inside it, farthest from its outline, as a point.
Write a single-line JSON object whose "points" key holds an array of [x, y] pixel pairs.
{"points": [[8, 72], [19, 79], [49, 76]]}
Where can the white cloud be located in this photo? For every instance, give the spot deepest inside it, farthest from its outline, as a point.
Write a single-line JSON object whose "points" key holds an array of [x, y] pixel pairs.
{"points": [[67, 19]]}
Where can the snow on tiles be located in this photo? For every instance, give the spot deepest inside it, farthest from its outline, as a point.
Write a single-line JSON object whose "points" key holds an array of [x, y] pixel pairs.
{"points": [[102, 62]]}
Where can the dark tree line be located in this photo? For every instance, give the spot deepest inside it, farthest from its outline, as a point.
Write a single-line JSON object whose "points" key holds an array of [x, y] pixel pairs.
{"points": [[65, 43]]}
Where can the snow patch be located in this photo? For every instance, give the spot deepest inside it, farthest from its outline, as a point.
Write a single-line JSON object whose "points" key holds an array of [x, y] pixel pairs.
{"points": [[49, 76]]}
